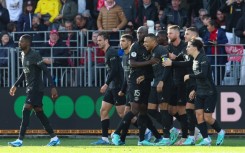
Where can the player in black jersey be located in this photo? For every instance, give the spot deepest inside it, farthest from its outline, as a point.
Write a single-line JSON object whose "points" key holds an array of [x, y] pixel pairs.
{"points": [[140, 77], [205, 93], [112, 86], [186, 61], [33, 66]]}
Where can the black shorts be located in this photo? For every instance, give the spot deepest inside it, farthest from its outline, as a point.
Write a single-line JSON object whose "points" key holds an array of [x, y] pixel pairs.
{"points": [[206, 102], [139, 93], [111, 96], [158, 98], [178, 97], [34, 98]]}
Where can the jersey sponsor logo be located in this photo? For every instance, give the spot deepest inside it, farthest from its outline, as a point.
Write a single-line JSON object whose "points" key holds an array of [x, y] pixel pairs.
{"points": [[133, 54], [195, 65]]}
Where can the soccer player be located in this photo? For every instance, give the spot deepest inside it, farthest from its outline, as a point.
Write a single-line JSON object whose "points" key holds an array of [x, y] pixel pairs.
{"points": [[178, 99], [139, 82], [186, 62], [159, 98], [33, 66], [205, 94], [111, 88]]}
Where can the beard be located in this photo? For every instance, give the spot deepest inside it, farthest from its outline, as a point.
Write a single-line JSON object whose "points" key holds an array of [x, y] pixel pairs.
{"points": [[173, 40]]}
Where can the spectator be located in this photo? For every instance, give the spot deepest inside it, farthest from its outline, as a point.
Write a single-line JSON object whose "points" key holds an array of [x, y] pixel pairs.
{"points": [[160, 18], [111, 17], [67, 13], [48, 10], [81, 6], [129, 29], [176, 15], [147, 11], [11, 28], [216, 54], [15, 9], [129, 9], [198, 21], [220, 19], [4, 17], [233, 10], [37, 36], [158, 26], [203, 30], [83, 24], [5, 45], [58, 49], [24, 22], [240, 29]]}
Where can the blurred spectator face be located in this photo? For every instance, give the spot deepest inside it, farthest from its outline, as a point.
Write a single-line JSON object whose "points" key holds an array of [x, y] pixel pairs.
{"points": [[175, 3], [94, 38], [110, 2], [35, 22], [201, 14], [238, 1], [128, 31], [146, 2], [5, 39], [29, 8], [172, 35], [54, 36], [160, 14], [101, 42], [158, 27], [205, 21], [210, 27], [220, 16], [68, 26], [80, 22]]}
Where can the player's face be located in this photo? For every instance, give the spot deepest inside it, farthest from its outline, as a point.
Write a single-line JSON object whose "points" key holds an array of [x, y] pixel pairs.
{"points": [[23, 43], [190, 49], [172, 35], [124, 44], [188, 35], [162, 39], [148, 43], [101, 42]]}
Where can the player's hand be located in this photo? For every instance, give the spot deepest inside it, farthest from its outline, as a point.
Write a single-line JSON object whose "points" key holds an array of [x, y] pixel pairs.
{"points": [[167, 62], [186, 77], [140, 79], [172, 56], [120, 93], [115, 29], [159, 86], [192, 94], [103, 88], [12, 91], [54, 93], [47, 60]]}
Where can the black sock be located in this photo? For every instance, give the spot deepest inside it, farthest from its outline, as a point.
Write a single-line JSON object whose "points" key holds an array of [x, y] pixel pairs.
{"points": [[184, 125], [45, 122], [125, 122], [216, 126], [192, 120], [24, 123], [203, 129], [142, 126], [167, 123], [156, 115], [105, 127], [152, 128]]}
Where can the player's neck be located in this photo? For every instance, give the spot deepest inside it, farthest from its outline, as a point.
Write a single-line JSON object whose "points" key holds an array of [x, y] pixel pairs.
{"points": [[176, 42], [26, 50], [106, 47]]}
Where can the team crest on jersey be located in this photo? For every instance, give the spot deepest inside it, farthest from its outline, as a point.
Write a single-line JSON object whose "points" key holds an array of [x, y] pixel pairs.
{"points": [[26, 70], [133, 54]]}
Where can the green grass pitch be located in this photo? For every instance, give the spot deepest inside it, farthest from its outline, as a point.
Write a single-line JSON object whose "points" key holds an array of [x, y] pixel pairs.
{"points": [[82, 145]]}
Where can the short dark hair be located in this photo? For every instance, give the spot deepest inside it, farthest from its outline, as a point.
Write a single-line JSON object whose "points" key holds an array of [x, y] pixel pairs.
{"points": [[152, 36], [197, 43], [105, 35], [193, 29], [162, 32], [27, 38], [128, 37], [213, 23]]}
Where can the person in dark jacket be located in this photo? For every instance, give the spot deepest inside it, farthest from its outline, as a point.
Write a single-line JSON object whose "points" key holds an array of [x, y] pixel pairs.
{"points": [[4, 17], [240, 29], [24, 22]]}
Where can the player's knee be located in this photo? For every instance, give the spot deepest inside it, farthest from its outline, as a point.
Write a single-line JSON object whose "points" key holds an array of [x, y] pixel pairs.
{"points": [[208, 118], [199, 117], [27, 107], [104, 112], [38, 109]]}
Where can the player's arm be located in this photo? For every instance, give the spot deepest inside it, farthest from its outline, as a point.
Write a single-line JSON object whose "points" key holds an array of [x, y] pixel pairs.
{"points": [[14, 87], [46, 72]]}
